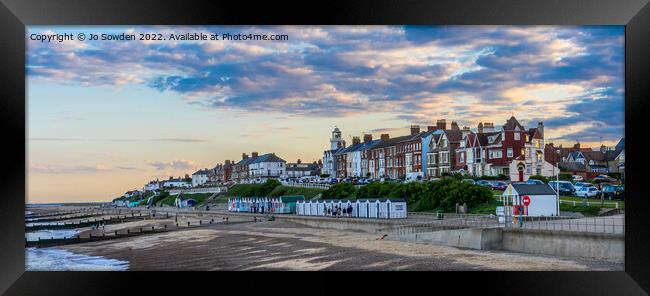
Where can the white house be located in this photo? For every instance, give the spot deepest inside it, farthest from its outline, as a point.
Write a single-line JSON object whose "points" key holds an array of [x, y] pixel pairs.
{"points": [[200, 177], [152, 186], [543, 199], [176, 183], [267, 166], [329, 160]]}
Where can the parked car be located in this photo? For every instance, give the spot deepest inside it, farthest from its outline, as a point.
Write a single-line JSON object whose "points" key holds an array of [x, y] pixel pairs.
{"points": [[484, 183], [534, 181], [613, 192], [604, 178], [579, 185], [577, 178], [499, 185], [471, 181], [587, 191], [564, 187]]}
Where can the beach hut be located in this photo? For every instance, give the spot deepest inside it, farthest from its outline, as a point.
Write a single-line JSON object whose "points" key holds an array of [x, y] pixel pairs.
{"points": [[313, 208], [542, 199], [320, 208], [363, 208], [355, 206], [373, 209], [382, 209], [396, 208], [299, 208]]}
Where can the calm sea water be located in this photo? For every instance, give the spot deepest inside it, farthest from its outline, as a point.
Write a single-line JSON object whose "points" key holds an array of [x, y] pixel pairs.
{"points": [[54, 259]]}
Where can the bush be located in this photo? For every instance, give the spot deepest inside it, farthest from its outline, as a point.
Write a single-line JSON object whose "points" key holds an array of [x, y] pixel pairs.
{"points": [[267, 187], [566, 177], [343, 190], [428, 196], [616, 176]]}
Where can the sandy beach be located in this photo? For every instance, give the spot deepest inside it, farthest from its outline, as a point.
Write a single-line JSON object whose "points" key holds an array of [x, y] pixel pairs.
{"points": [[273, 245]]}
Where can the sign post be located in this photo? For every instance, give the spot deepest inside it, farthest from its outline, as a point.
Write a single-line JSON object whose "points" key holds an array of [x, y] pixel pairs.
{"points": [[526, 201]]}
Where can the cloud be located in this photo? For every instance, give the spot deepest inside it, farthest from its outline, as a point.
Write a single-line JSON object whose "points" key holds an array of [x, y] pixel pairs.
{"points": [[173, 165], [417, 73], [41, 168], [178, 140]]}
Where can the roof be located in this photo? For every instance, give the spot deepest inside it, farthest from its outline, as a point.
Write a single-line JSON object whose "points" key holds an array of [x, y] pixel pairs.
{"points": [[621, 144], [269, 157], [391, 142], [349, 148], [511, 124], [594, 155], [201, 172], [533, 189], [366, 146], [245, 161]]}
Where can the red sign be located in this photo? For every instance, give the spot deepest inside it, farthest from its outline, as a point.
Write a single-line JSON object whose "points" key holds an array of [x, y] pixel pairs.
{"points": [[526, 200]]}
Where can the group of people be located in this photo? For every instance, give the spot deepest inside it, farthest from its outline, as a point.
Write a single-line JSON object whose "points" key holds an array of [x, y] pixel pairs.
{"points": [[337, 211]]}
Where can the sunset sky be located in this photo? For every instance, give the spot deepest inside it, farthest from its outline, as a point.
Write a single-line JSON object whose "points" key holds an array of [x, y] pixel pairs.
{"points": [[105, 117]]}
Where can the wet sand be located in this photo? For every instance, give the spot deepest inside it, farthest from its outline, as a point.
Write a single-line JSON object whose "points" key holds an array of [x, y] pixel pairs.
{"points": [[290, 246]]}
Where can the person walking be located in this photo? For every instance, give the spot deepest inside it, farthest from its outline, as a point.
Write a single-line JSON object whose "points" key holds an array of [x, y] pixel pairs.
{"points": [[334, 211]]}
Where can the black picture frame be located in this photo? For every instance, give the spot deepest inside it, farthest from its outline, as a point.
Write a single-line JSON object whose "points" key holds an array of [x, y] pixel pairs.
{"points": [[15, 15]]}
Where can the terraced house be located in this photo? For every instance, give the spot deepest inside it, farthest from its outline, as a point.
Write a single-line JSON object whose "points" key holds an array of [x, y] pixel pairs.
{"points": [[442, 150]]}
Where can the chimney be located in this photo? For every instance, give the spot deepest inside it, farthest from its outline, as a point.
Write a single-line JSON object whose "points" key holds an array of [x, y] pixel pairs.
{"points": [[367, 138], [254, 154], [441, 124], [454, 126], [488, 127], [244, 156], [576, 146], [466, 131], [431, 128], [299, 161], [415, 129], [385, 137], [480, 128], [540, 128], [227, 162], [356, 140]]}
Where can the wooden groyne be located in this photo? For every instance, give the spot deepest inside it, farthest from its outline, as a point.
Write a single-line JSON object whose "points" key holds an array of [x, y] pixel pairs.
{"points": [[88, 222], [51, 242], [66, 217]]}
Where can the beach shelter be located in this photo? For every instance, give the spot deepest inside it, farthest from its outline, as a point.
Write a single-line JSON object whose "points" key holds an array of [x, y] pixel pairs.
{"points": [[533, 199]]}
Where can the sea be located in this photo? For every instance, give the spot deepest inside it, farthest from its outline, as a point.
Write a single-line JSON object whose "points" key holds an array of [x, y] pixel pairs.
{"points": [[55, 259]]}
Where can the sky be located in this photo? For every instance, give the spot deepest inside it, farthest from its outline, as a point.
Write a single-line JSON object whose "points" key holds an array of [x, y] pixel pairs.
{"points": [[105, 117]]}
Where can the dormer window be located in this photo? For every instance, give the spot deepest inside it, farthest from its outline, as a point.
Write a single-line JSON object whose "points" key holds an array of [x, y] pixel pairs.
{"points": [[517, 136]]}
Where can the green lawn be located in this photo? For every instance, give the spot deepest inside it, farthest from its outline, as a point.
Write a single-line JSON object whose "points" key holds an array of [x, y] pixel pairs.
{"points": [[608, 203], [309, 193]]}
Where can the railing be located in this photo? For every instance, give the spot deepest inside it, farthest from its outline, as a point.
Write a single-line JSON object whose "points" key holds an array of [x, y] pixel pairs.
{"points": [[616, 204], [436, 222], [307, 185], [610, 224]]}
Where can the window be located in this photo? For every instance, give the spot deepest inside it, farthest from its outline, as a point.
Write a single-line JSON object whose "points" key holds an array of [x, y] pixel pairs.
{"points": [[509, 152], [462, 157], [517, 136]]}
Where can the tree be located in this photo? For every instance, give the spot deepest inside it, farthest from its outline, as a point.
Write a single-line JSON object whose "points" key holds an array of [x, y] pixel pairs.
{"points": [[342, 190]]}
